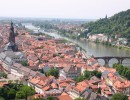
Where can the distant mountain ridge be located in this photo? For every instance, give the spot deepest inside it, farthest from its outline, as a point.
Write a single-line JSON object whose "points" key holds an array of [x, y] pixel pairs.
{"points": [[117, 24]]}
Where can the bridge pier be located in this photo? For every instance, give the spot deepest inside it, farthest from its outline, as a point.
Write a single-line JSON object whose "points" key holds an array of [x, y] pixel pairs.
{"points": [[106, 62], [120, 61]]}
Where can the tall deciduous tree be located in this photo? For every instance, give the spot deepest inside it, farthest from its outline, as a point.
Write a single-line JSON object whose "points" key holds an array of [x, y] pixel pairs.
{"points": [[25, 91], [53, 72], [11, 94], [20, 95], [119, 97]]}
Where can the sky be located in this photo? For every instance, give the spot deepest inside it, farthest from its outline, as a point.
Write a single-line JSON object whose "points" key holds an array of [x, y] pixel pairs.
{"points": [[77, 9]]}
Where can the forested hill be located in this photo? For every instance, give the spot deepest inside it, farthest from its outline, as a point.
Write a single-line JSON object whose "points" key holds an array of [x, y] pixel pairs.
{"points": [[117, 24]]}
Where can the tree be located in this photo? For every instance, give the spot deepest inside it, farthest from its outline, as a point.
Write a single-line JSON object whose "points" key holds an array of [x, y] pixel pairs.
{"points": [[11, 94], [24, 63], [79, 78], [99, 90], [115, 65], [12, 91], [2, 74], [1, 98], [10, 81], [119, 96], [20, 95], [127, 74], [87, 74], [122, 70], [53, 72], [99, 74], [50, 98], [24, 92], [128, 23], [117, 24], [3, 92], [96, 73]]}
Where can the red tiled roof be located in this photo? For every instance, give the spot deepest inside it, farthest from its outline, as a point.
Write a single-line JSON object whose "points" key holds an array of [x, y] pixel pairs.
{"points": [[64, 97], [46, 88]]}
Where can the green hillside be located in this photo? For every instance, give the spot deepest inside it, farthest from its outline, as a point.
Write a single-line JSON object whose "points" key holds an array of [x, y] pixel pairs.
{"points": [[117, 24]]}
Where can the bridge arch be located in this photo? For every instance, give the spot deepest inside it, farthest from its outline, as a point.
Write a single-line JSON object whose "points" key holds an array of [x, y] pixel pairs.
{"points": [[101, 61], [108, 58], [124, 61], [112, 61]]}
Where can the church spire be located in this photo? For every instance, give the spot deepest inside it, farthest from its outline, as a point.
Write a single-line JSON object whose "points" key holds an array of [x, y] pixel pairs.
{"points": [[11, 33], [11, 46]]}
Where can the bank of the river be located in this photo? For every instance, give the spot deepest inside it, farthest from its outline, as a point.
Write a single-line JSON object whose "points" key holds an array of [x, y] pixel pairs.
{"points": [[95, 49], [104, 43], [122, 47], [109, 44]]}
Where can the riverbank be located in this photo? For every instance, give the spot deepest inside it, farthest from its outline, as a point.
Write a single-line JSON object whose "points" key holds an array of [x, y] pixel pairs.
{"points": [[109, 44], [122, 47], [104, 43]]}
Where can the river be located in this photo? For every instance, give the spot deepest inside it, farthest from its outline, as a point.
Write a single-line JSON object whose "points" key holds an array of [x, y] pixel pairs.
{"points": [[98, 50]]}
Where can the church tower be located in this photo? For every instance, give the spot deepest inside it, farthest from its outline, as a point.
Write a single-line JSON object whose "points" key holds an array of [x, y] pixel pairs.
{"points": [[11, 46], [11, 33]]}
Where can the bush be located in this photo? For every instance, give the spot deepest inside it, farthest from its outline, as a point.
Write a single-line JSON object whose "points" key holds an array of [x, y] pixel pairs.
{"points": [[53, 72], [24, 63], [119, 96], [87, 75], [2, 74], [122, 70]]}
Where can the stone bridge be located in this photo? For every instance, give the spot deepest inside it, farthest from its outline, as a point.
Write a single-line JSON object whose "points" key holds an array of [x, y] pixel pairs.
{"points": [[108, 58]]}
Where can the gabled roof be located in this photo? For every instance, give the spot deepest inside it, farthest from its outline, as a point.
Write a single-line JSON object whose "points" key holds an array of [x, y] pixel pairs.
{"points": [[93, 96], [83, 83], [87, 93], [79, 88], [105, 73], [25, 69], [70, 69], [95, 79], [2, 55], [8, 61], [33, 73], [17, 65], [64, 97]]}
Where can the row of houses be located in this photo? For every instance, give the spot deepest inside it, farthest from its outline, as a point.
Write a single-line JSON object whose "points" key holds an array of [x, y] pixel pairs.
{"points": [[104, 38], [100, 38], [7, 59], [49, 86]]}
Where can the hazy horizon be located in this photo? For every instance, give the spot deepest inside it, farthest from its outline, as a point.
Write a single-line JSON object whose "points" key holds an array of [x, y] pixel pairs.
{"points": [[62, 9]]}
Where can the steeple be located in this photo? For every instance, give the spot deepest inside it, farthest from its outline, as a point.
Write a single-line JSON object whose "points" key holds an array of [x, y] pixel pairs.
{"points": [[11, 33], [11, 46]]}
